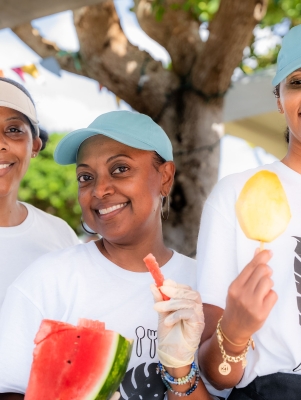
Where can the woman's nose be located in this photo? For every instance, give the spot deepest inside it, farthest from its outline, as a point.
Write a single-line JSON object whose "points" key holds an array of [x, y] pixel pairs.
{"points": [[3, 143], [103, 187]]}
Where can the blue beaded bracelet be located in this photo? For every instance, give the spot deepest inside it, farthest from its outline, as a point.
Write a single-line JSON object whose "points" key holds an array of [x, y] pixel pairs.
{"points": [[178, 381], [182, 394], [168, 379]]}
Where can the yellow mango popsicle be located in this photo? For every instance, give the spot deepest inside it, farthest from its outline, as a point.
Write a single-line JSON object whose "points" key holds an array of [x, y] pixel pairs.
{"points": [[262, 208]]}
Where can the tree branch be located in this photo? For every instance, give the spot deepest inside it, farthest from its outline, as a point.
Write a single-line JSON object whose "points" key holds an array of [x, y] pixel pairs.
{"points": [[128, 72], [177, 32], [45, 48], [230, 32], [107, 56]]}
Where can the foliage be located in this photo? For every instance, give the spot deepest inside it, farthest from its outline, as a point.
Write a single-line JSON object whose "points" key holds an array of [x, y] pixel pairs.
{"points": [[277, 12], [52, 187]]}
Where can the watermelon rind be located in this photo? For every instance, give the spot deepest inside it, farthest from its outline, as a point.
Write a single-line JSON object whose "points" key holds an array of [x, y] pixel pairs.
{"points": [[110, 381]]}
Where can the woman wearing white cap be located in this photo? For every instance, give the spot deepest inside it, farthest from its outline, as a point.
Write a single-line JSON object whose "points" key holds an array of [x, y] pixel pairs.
{"points": [[25, 232], [262, 301], [124, 169]]}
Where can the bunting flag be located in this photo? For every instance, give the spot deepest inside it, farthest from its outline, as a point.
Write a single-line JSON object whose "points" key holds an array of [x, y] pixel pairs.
{"points": [[51, 65], [31, 69], [19, 71], [1, 73]]}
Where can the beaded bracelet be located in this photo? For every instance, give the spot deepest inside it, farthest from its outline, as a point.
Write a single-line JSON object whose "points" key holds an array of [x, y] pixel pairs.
{"points": [[178, 381], [189, 391], [168, 379]]}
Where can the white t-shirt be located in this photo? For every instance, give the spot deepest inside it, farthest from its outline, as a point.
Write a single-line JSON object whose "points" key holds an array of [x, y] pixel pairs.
{"points": [[224, 250], [79, 282], [20, 245]]}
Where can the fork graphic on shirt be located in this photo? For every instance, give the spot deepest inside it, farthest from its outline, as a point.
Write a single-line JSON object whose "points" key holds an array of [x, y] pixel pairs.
{"points": [[151, 335]]}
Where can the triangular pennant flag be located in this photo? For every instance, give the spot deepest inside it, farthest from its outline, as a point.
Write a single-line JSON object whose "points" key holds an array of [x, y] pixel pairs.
{"points": [[52, 65], [31, 70], [19, 71], [100, 86], [118, 101], [1, 73]]}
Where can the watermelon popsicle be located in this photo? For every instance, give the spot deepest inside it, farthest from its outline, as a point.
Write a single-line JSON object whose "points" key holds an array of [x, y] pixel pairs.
{"points": [[154, 269], [262, 208]]}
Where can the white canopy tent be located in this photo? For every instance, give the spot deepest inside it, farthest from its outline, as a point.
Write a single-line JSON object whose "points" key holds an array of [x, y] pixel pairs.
{"points": [[251, 113]]}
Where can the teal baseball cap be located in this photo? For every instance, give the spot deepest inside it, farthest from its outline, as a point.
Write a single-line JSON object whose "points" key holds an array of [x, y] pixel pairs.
{"points": [[130, 128], [289, 57]]}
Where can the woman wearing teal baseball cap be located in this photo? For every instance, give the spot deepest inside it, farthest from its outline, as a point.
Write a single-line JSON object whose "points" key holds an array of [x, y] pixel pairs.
{"points": [[262, 301], [124, 170]]}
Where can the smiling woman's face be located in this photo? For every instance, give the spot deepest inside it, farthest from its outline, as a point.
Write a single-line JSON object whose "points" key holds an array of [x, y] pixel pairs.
{"points": [[289, 103], [16, 149], [119, 189]]}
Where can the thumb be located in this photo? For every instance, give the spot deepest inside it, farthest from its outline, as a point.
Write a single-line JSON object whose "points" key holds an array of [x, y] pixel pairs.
{"points": [[156, 293]]}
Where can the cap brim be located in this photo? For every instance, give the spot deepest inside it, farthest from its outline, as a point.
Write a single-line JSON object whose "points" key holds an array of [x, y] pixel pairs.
{"points": [[282, 74], [66, 151]]}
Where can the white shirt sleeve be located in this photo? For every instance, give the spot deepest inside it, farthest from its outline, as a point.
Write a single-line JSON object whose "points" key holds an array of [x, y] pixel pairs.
{"points": [[216, 252], [20, 320]]}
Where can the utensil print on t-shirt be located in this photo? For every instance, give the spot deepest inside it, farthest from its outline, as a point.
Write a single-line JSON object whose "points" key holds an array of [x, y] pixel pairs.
{"points": [[152, 335], [140, 333]]}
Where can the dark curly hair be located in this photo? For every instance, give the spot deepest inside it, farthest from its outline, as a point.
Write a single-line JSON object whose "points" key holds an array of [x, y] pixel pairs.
{"points": [[43, 134], [276, 92]]}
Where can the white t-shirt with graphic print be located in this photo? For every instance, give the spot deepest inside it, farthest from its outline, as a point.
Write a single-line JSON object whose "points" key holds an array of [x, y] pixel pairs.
{"points": [[224, 250], [80, 282]]}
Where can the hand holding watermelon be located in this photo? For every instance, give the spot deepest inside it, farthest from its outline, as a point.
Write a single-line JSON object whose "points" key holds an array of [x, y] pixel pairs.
{"points": [[181, 323]]}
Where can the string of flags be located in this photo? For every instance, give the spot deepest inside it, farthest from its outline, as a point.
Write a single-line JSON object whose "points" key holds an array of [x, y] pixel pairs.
{"points": [[51, 64]]}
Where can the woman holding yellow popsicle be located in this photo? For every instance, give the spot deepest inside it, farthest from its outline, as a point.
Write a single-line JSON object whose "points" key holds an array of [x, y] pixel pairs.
{"points": [[256, 304]]}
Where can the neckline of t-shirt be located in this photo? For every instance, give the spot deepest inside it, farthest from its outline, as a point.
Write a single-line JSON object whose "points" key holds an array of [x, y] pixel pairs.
{"points": [[19, 229], [287, 171], [141, 277]]}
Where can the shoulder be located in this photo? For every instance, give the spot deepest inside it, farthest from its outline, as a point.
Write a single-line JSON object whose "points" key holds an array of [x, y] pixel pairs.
{"points": [[53, 266], [56, 228], [47, 218], [183, 269]]}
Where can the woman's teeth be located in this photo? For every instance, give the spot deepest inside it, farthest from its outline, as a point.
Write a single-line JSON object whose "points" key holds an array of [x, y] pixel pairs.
{"points": [[2, 166], [110, 209]]}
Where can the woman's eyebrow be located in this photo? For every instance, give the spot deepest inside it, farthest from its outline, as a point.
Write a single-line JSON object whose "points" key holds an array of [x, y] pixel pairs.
{"points": [[117, 155], [82, 165], [12, 118]]}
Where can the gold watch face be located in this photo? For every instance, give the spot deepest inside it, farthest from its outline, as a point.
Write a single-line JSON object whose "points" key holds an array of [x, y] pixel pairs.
{"points": [[224, 368]]}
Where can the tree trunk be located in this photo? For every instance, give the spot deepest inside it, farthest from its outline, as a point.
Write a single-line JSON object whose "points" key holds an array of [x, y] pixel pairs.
{"points": [[195, 129]]}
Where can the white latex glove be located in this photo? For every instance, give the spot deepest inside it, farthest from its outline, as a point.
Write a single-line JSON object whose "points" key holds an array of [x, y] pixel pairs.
{"points": [[181, 323]]}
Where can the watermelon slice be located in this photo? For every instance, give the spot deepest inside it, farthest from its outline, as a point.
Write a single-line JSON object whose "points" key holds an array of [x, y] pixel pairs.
{"points": [[83, 362], [154, 269]]}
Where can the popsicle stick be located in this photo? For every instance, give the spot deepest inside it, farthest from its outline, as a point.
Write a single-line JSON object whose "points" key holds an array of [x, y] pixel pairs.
{"points": [[261, 246]]}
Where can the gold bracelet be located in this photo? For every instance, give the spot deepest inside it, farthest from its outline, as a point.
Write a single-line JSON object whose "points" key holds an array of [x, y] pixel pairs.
{"points": [[228, 340], [225, 368]]}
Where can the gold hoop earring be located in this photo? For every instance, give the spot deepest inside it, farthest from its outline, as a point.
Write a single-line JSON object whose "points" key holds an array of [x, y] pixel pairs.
{"points": [[83, 224], [165, 207]]}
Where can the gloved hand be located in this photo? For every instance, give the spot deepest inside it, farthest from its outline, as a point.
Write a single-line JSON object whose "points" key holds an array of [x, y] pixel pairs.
{"points": [[181, 323]]}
